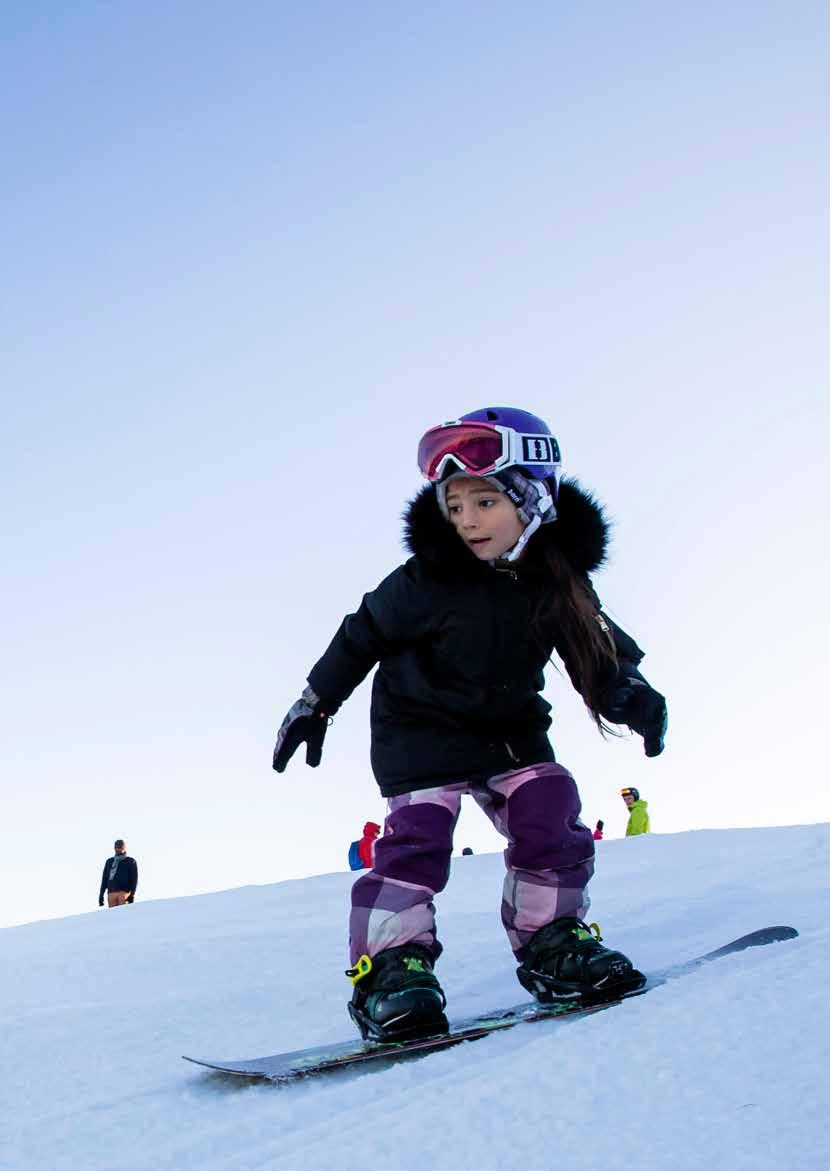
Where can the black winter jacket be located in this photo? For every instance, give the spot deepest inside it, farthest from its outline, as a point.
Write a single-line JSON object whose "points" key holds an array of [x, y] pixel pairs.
{"points": [[126, 876], [457, 693]]}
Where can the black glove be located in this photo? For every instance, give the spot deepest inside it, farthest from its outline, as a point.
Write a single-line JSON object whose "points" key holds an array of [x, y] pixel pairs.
{"points": [[101, 901], [634, 702], [305, 721]]}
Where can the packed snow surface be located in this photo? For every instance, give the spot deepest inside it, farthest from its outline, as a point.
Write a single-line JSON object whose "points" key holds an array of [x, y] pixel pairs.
{"points": [[724, 1069]]}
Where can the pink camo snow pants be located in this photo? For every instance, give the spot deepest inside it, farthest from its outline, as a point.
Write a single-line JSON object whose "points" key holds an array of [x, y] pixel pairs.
{"points": [[549, 859]]}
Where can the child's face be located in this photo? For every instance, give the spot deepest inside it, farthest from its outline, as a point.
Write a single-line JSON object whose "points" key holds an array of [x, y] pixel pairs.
{"points": [[485, 520]]}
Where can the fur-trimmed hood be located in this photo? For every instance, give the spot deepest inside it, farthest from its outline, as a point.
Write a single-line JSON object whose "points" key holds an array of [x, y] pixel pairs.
{"points": [[581, 531]]}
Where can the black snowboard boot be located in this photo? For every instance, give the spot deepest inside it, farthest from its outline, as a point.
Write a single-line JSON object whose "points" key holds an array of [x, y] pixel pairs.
{"points": [[565, 960], [396, 995]]}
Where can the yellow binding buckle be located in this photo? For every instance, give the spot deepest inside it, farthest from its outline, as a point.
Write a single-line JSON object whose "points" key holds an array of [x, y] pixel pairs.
{"points": [[362, 968]]}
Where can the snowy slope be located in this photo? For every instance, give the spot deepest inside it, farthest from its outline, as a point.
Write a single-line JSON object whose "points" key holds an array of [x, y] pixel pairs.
{"points": [[725, 1069]]}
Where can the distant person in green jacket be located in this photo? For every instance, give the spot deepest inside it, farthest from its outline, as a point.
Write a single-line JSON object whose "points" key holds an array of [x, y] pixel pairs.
{"points": [[638, 821]]}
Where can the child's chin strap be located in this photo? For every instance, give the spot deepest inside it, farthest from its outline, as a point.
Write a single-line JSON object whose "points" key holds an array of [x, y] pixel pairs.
{"points": [[540, 509]]}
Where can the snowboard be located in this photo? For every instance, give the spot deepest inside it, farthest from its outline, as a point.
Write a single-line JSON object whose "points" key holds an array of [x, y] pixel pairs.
{"points": [[301, 1063]]}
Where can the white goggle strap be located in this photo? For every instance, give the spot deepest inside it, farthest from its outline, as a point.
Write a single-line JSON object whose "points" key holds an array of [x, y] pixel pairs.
{"points": [[528, 450]]}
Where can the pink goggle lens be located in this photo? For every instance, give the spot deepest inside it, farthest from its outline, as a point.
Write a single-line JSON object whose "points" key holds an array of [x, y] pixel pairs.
{"points": [[475, 446]]}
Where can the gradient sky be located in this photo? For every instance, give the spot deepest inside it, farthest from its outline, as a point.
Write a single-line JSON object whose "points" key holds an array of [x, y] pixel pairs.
{"points": [[251, 252]]}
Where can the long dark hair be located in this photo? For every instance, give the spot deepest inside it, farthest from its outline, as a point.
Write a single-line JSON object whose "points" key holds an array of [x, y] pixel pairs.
{"points": [[570, 607]]}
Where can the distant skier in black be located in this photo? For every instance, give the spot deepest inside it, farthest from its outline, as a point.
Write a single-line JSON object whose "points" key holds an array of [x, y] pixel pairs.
{"points": [[462, 633], [119, 879]]}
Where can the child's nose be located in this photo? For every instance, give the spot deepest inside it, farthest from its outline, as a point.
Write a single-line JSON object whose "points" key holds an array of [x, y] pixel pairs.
{"points": [[468, 516]]}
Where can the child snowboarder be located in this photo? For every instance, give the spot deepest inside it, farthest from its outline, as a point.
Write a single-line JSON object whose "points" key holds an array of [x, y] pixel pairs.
{"points": [[497, 580]]}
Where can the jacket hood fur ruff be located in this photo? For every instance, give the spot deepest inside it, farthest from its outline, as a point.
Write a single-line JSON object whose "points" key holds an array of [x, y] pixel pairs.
{"points": [[581, 531]]}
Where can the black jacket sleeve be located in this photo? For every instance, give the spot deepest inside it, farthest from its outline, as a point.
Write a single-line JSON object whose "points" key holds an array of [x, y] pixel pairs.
{"points": [[629, 698], [133, 878], [629, 657], [104, 879], [628, 654], [394, 615]]}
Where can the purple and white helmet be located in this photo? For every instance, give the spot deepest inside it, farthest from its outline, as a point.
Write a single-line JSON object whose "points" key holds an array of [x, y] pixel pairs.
{"points": [[512, 449]]}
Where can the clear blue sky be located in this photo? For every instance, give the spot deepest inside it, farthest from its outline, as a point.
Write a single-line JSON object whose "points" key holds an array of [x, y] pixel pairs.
{"points": [[251, 252]]}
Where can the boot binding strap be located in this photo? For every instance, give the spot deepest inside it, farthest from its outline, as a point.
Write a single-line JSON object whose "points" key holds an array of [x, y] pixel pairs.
{"points": [[362, 968]]}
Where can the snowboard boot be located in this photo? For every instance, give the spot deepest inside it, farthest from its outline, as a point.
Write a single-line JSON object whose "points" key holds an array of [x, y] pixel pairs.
{"points": [[566, 960], [396, 995]]}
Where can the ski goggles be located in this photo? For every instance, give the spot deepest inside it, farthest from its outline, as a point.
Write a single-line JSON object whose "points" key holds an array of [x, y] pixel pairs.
{"points": [[481, 448]]}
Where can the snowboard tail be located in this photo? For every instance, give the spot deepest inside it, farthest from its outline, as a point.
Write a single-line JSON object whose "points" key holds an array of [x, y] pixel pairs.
{"points": [[287, 1067]]}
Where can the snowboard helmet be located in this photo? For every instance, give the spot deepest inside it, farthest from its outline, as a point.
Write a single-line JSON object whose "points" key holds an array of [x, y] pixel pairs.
{"points": [[486, 442], [635, 793], [511, 449]]}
